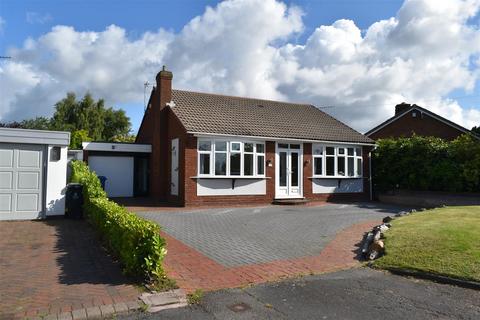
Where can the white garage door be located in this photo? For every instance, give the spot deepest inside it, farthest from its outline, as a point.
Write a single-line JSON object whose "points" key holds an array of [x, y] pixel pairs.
{"points": [[21, 185], [119, 173]]}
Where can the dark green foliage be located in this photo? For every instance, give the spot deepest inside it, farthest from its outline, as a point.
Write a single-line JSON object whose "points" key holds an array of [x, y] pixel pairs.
{"points": [[427, 163], [476, 130], [101, 123], [90, 118], [38, 123], [135, 241]]}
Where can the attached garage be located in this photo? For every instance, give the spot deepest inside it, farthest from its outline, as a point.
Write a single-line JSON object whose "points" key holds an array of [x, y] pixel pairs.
{"points": [[33, 168], [124, 165]]}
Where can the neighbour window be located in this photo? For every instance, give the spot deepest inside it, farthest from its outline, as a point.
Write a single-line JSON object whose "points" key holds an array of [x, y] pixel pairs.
{"points": [[231, 158], [334, 161]]}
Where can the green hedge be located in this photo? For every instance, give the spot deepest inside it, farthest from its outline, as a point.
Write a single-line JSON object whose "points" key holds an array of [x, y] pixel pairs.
{"points": [[427, 163], [135, 241]]}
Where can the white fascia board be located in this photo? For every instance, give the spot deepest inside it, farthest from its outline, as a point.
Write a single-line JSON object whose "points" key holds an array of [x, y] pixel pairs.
{"points": [[258, 138], [117, 147], [55, 138]]}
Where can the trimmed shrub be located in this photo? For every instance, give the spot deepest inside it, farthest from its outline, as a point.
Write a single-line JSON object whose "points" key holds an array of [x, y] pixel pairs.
{"points": [[135, 241], [427, 163]]}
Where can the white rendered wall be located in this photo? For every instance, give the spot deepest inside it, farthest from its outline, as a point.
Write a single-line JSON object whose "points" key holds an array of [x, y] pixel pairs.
{"points": [[337, 185], [119, 173], [223, 187], [56, 182]]}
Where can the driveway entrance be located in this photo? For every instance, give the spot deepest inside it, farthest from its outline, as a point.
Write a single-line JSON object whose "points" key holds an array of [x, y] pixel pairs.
{"points": [[265, 241]]}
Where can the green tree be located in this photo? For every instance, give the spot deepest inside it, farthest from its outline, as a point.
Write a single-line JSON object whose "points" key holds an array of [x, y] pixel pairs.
{"points": [[77, 138], [100, 122], [476, 130]]}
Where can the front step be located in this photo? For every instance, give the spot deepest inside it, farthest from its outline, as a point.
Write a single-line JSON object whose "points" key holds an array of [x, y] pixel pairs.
{"points": [[290, 202]]}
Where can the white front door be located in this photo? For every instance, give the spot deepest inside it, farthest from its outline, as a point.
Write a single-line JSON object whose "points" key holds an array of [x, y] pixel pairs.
{"points": [[289, 173]]}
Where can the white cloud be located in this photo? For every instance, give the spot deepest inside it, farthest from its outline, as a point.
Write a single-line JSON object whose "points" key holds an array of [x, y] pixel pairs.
{"points": [[33, 17], [247, 47]]}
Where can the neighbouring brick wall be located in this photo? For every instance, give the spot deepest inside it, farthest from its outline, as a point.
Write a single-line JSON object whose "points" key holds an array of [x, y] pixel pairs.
{"points": [[420, 125]]}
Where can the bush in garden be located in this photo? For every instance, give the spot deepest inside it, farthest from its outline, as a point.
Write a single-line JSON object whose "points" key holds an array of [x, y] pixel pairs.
{"points": [[135, 241], [427, 163]]}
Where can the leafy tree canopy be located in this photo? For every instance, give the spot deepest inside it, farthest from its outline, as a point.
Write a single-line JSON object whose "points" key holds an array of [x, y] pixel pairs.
{"points": [[476, 130], [86, 119]]}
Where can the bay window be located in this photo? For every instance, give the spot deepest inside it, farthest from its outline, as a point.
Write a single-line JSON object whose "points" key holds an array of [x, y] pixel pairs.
{"points": [[230, 158], [337, 161]]}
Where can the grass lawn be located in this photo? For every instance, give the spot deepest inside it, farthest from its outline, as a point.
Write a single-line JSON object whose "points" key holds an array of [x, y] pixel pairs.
{"points": [[443, 241]]}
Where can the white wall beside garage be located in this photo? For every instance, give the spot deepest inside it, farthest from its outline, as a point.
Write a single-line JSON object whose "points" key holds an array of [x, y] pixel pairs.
{"points": [[56, 183], [119, 173]]}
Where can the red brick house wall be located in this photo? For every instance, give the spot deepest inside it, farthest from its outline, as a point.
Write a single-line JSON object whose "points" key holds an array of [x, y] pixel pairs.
{"points": [[422, 125], [160, 125]]}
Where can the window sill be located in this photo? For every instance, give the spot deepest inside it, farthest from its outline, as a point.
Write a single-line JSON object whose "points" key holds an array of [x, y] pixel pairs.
{"points": [[333, 177], [230, 177]]}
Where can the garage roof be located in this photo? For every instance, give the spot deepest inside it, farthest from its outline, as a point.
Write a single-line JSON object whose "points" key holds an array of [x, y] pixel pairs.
{"points": [[11, 135]]}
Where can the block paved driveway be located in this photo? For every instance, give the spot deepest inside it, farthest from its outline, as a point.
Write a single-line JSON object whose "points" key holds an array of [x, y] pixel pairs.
{"points": [[217, 248], [54, 267]]}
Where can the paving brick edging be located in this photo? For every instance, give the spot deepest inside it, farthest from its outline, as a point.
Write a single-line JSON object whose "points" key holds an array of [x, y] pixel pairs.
{"points": [[97, 312], [192, 270]]}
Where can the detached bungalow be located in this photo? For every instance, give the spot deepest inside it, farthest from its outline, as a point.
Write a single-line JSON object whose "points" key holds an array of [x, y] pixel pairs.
{"points": [[412, 119], [214, 149]]}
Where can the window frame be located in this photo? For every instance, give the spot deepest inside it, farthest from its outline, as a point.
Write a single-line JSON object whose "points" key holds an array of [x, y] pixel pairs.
{"points": [[228, 153], [323, 156]]}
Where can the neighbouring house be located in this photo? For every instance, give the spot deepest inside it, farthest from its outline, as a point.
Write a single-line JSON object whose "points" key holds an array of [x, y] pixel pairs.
{"points": [[33, 173], [217, 149], [412, 119]]}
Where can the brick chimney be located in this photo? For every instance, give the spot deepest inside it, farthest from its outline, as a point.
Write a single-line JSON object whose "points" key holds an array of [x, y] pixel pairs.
{"points": [[401, 108], [164, 86]]}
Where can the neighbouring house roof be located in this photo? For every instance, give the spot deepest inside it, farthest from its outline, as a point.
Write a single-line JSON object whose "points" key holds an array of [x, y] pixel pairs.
{"points": [[227, 115], [420, 109]]}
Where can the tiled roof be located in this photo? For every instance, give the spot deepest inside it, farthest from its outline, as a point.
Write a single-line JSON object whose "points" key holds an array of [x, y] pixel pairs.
{"points": [[218, 114]]}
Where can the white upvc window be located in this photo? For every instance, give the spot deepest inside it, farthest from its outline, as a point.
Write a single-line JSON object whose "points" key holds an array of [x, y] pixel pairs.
{"points": [[337, 161], [223, 158]]}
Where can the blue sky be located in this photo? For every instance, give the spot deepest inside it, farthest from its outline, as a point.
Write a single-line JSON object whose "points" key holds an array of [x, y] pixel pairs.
{"points": [[32, 19]]}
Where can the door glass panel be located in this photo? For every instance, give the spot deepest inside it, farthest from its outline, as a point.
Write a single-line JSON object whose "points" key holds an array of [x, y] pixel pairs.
{"points": [[283, 169], [294, 157]]}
